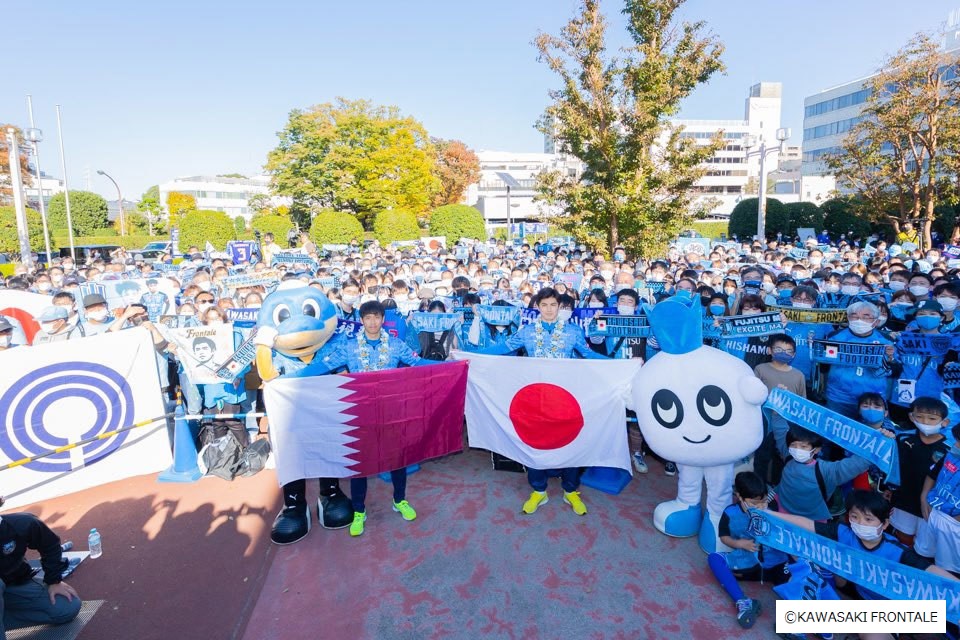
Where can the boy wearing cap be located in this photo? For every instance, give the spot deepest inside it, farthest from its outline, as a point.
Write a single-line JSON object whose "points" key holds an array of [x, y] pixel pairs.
{"points": [[53, 326], [96, 316], [6, 334]]}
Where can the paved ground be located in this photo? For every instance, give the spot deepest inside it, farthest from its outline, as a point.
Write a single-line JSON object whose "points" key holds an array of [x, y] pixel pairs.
{"points": [[194, 561]]}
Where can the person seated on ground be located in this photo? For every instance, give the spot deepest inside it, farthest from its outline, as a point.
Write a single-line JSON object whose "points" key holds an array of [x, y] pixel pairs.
{"points": [[745, 561], [26, 600]]}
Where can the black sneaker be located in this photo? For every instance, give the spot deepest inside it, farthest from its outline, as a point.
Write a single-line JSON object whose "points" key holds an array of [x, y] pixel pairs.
{"points": [[291, 525], [670, 468]]}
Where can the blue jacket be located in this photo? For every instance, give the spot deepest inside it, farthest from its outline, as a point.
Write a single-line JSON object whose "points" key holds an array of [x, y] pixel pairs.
{"points": [[345, 352], [845, 384], [526, 337]]}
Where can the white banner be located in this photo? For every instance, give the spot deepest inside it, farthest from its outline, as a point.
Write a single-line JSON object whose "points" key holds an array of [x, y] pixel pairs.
{"points": [[550, 414], [58, 394], [203, 350]]}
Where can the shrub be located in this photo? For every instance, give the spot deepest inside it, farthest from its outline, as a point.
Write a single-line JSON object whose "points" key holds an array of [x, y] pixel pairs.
{"points": [[710, 228], [335, 227], [9, 240], [88, 212], [457, 221], [198, 227], [277, 225], [743, 219], [840, 216], [804, 215], [395, 224], [239, 225]]}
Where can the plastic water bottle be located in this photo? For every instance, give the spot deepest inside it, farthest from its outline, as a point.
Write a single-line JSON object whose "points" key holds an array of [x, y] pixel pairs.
{"points": [[94, 544]]}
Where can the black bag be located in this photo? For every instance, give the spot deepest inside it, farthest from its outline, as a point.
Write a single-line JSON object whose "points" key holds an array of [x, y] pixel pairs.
{"points": [[435, 348], [503, 463]]}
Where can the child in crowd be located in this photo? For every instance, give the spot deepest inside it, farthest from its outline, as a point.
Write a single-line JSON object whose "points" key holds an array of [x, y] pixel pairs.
{"points": [[938, 533], [777, 374], [747, 560]]}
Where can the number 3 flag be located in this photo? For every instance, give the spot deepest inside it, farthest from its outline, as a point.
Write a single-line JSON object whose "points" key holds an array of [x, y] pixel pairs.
{"points": [[550, 414]]}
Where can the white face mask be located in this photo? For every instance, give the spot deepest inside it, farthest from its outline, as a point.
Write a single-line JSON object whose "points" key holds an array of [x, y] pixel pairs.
{"points": [[203, 306], [350, 300], [626, 309], [607, 275], [49, 327], [595, 305], [800, 455], [948, 303], [850, 289], [803, 305], [861, 327], [204, 285], [5, 341], [897, 285], [919, 290], [97, 316], [926, 429], [43, 286], [768, 287], [831, 288], [866, 532], [564, 315]]}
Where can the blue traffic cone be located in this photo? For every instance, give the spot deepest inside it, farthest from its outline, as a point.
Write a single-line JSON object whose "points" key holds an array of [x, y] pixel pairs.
{"points": [[607, 479], [184, 467], [385, 476]]}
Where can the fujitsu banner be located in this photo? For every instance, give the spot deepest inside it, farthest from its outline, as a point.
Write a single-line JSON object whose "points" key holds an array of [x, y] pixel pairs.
{"points": [[550, 413], [362, 424], [55, 395]]}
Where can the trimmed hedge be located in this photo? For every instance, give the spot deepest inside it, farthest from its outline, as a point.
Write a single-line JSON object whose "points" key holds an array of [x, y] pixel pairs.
{"points": [[277, 225], [457, 221], [335, 227], [199, 227], [711, 228], [395, 224], [130, 242]]}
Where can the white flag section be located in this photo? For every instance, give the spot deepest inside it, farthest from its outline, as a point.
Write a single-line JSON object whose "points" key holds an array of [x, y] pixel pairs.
{"points": [[550, 414], [58, 394]]}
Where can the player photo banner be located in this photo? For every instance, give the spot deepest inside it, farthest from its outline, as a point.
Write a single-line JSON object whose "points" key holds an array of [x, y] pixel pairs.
{"points": [[54, 395], [811, 316], [760, 324], [850, 354], [853, 436], [892, 580], [550, 414], [203, 350]]}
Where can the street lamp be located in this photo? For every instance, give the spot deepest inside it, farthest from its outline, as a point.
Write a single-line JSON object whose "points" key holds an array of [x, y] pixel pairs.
{"points": [[123, 226], [749, 142], [511, 183]]}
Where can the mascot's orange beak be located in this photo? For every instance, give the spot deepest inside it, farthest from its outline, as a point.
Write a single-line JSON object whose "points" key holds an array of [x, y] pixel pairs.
{"points": [[305, 343]]}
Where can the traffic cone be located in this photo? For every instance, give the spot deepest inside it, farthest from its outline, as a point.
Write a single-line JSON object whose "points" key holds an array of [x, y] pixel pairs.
{"points": [[184, 467]]}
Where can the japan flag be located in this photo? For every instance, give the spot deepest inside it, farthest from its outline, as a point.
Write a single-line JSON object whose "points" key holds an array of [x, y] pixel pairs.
{"points": [[550, 413]]}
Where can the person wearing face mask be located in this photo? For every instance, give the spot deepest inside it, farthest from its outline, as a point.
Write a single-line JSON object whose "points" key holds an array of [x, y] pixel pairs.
{"points": [[869, 516], [948, 295], [845, 383], [919, 450], [348, 307], [6, 334], [96, 316], [899, 279], [53, 326], [808, 482], [920, 285], [938, 533], [67, 301], [921, 374]]}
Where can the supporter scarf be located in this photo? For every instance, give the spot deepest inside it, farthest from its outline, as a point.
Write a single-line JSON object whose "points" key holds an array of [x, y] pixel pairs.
{"points": [[424, 322], [853, 436], [811, 316], [241, 358], [264, 278], [617, 326], [851, 354], [925, 344], [951, 375], [583, 315], [243, 318], [889, 579], [292, 259], [761, 324], [498, 315]]}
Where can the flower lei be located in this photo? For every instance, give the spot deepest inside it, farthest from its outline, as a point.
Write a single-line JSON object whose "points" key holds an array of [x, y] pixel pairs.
{"points": [[364, 348], [556, 341]]}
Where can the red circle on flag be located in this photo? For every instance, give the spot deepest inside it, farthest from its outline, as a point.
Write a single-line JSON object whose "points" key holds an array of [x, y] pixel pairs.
{"points": [[546, 416]]}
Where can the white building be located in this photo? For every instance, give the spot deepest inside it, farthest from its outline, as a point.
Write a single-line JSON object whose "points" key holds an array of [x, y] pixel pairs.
{"points": [[500, 169], [49, 186], [830, 114], [230, 195], [730, 169]]}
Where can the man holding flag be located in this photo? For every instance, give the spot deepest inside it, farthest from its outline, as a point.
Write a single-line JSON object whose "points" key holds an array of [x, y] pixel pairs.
{"points": [[547, 337]]}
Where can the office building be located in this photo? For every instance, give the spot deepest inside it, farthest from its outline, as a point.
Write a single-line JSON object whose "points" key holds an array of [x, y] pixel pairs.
{"points": [[49, 186], [216, 193]]}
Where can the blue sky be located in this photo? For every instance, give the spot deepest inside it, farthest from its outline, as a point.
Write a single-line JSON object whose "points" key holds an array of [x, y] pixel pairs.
{"points": [[151, 91]]}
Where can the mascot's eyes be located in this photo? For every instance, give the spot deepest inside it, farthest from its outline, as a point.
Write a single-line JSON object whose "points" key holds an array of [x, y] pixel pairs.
{"points": [[667, 408], [281, 313], [311, 308], [714, 406]]}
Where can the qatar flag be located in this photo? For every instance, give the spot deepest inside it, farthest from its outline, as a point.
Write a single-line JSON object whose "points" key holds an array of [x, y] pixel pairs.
{"points": [[362, 424], [550, 413]]}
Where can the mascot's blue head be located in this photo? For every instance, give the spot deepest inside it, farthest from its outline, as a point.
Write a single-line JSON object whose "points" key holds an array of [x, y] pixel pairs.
{"points": [[303, 317]]}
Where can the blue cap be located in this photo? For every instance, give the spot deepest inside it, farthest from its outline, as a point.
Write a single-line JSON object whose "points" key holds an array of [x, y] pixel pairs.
{"points": [[677, 323], [50, 314]]}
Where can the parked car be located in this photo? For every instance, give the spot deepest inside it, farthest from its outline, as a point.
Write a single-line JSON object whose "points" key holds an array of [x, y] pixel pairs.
{"points": [[88, 252]]}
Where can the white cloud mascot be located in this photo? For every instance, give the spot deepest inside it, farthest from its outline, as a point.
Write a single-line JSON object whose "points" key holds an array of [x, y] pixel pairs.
{"points": [[701, 408]]}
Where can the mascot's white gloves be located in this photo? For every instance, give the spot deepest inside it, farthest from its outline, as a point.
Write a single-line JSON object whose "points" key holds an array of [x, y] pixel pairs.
{"points": [[266, 336]]}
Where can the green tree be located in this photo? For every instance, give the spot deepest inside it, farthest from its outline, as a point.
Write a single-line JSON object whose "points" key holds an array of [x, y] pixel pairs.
{"points": [[177, 205], [456, 167], [88, 212], [903, 146], [277, 225], [354, 156], [239, 225], [395, 224], [457, 221], [803, 215], [9, 240], [335, 227], [151, 208], [845, 216], [613, 113], [197, 227], [6, 185], [743, 218], [231, 175], [259, 202]]}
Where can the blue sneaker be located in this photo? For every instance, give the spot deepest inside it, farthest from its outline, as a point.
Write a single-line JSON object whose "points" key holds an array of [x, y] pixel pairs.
{"points": [[747, 612]]}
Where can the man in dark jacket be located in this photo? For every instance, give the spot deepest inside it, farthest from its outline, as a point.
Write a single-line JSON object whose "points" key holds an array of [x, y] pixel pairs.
{"points": [[26, 600]]}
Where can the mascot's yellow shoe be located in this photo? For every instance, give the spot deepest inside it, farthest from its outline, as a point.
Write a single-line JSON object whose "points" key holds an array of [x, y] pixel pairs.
{"points": [[573, 499], [536, 499]]}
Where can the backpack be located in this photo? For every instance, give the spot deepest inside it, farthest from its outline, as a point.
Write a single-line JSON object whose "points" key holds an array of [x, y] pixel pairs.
{"points": [[434, 348]]}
